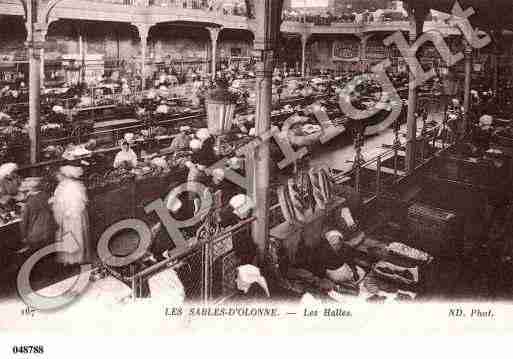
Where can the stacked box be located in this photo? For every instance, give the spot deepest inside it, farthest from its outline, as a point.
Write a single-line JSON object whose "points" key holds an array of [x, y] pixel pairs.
{"points": [[434, 230]]}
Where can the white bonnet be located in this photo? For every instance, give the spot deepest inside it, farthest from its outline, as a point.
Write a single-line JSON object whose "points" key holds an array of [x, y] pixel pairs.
{"points": [[218, 172], [203, 134], [7, 169], [195, 144], [241, 203]]}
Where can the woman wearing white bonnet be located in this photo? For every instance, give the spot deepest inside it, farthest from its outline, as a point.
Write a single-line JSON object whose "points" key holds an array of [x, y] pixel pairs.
{"points": [[206, 155], [126, 157], [69, 204], [195, 145], [203, 134]]}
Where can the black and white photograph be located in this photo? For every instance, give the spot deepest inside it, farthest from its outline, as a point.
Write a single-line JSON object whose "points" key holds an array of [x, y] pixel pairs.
{"points": [[174, 166]]}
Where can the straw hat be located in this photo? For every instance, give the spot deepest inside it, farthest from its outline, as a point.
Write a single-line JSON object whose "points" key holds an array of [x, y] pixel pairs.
{"points": [[129, 137], [494, 152], [334, 237]]}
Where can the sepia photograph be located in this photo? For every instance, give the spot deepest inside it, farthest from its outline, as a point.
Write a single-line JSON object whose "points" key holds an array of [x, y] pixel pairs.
{"points": [[174, 166]]}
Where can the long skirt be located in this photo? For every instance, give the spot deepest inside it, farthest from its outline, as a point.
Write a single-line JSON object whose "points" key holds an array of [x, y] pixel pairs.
{"points": [[72, 239]]}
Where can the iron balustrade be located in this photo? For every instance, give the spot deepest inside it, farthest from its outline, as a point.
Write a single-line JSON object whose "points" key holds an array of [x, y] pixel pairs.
{"points": [[200, 257]]}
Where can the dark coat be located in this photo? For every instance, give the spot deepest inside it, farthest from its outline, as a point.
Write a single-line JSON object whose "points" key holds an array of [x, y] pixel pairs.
{"points": [[206, 155], [243, 243], [38, 225]]}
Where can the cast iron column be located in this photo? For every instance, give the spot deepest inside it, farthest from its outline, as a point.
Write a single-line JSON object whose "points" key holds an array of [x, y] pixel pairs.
{"points": [[495, 69], [268, 20], [143, 29], [214, 35], [362, 51], [468, 79], [35, 44], [42, 70], [304, 41], [416, 28]]}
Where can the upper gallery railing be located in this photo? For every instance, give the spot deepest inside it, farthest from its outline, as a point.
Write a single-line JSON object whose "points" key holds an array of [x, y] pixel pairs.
{"points": [[237, 8]]}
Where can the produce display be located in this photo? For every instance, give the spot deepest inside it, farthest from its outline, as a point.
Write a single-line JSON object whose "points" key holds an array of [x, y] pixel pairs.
{"points": [[402, 249], [9, 212], [116, 177], [396, 273]]}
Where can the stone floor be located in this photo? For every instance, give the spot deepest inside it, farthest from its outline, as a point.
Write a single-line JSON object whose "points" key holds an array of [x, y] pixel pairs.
{"points": [[340, 154]]}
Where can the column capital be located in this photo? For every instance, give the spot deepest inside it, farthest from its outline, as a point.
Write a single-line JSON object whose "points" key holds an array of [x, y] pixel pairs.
{"points": [[143, 29], [39, 31], [304, 37], [364, 37], [214, 33], [468, 49], [416, 25]]}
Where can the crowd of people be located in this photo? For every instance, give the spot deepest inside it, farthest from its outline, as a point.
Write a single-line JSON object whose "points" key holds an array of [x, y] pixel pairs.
{"points": [[328, 18], [55, 206]]}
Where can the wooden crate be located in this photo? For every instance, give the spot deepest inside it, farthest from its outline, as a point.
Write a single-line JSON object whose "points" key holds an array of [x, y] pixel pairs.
{"points": [[434, 230]]}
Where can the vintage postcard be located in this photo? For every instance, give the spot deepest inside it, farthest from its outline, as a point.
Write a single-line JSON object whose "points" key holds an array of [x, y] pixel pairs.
{"points": [[261, 166]]}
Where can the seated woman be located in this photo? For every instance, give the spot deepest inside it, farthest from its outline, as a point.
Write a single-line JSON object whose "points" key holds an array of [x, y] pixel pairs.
{"points": [[181, 142], [126, 157]]}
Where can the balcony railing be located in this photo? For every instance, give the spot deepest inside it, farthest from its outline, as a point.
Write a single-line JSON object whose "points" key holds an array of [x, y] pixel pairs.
{"points": [[238, 9], [327, 20]]}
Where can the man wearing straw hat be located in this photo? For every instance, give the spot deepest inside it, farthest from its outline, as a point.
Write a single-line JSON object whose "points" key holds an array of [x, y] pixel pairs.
{"points": [[69, 204]]}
